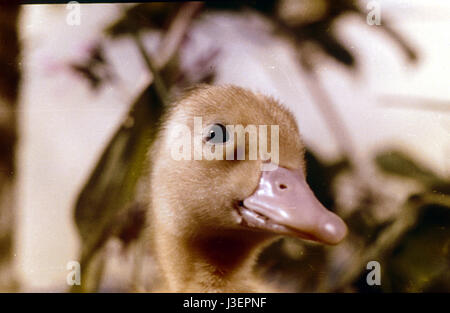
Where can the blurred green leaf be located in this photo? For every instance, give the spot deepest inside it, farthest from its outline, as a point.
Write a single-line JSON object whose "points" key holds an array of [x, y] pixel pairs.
{"points": [[400, 164], [412, 250], [112, 183], [422, 256]]}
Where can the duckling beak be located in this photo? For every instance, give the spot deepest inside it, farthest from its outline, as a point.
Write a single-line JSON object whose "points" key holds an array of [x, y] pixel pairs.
{"points": [[284, 203]]}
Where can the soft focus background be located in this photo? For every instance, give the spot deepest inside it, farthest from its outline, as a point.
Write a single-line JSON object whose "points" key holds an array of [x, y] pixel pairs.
{"points": [[374, 99]]}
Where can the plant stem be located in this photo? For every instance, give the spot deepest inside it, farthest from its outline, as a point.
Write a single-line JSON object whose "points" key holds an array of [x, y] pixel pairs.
{"points": [[160, 86]]}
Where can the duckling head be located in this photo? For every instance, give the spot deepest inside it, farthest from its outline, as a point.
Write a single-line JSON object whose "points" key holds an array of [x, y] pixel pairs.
{"points": [[209, 181]]}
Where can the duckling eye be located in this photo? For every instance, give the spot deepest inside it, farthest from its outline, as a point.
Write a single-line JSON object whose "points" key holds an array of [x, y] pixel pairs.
{"points": [[216, 133]]}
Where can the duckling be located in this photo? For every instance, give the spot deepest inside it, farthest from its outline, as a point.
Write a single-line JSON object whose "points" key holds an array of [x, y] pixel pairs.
{"points": [[212, 217]]}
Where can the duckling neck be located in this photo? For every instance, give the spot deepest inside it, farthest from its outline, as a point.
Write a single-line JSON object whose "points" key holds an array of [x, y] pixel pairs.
{"points": [[211, 262]]}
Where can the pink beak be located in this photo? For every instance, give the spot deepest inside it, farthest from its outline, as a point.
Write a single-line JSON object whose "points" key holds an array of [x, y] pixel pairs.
{"points": [[283, 203]]}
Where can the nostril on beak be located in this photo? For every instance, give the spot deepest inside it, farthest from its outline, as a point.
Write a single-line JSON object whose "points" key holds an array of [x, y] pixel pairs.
{"points": [[282, 186]]}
